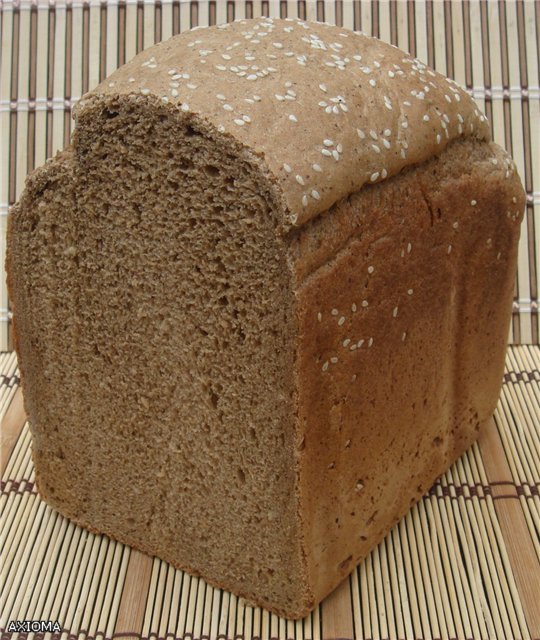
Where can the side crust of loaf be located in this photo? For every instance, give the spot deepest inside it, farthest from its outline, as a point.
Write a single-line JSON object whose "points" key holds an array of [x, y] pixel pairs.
{"points": [[404, 300]]}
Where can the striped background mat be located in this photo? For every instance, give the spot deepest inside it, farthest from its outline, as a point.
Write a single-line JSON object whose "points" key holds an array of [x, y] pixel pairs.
{"points": [[465, 562], [53, 52]]}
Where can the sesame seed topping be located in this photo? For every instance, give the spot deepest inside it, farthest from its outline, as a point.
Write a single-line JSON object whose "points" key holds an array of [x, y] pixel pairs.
{"points": [[425, 118], [293, 118], [145, 92], [409, 247], [341, 321], [287, 167], [300, 180], [374, 176], [328, 143], [371, 269], [473, 203], [361, 134], [376, 148], [395, 312], [333, 359], [325, 366], [449, 248], [317, 168], [334, 312], [326, 152], [346, 342], [365, 303], [410, 292], [315, 194], [228, 107], [304, 200], [239, 122], [319, 316], [353, 307]]}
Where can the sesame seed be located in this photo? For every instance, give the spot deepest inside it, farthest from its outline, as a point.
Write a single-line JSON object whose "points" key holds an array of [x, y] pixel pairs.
{"points": [[317, 167], [221, 67], [326, 152], [334, 312], [386, 144], [374, 176], [145, 92], [376, 148], [373, 134], [365, 303], [346, 342], [319, 316], [339, 148], [409, 247], [328, 143], [322, 87], [373, 82], [410, 292], [335, 153], [228, 107], [165, 99], [341, 321], [449, 248], [387, 132], [293, 118], [304, 200], [300, 180], [370, 342], [251, 76], [425, 118], [287, 167], [174, 93], [277, 45], [315, 194], [333, 359], [352, 347], [359, 343], [239, 122], [405, 124], [395, 312], [325, 366], [403, 336], [353, 307], [473, 203], [371, 269], [131, 79], [384, 173], [246, 118], [361, 134], [185, 107], [220, 96], [438, 138]]}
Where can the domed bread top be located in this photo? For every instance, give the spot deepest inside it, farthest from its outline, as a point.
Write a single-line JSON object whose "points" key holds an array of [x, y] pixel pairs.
{"points": [[325, 108]]}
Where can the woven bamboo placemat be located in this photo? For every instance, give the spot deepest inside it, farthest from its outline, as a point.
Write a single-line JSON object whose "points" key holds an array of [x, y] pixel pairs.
{"points": [[464, 563], [52, 52]]}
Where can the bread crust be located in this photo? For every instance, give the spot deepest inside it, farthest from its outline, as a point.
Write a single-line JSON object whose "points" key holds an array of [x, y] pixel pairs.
{"points": [[402, 339]]}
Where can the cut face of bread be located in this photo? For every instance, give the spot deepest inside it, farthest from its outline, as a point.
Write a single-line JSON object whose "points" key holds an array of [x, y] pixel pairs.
{"points": [[248, 351], [162, 347]]}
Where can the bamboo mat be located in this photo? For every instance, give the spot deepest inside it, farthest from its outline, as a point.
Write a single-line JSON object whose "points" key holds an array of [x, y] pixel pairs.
{"points": [[52, 52], [463, 564]]}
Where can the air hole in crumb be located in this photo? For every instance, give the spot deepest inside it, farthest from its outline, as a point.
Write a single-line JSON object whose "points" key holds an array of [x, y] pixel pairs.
{"points": [[210, 170], [213, 398], [241, 474], [190, 131], [345, 563], [110, 114], [437, 441]]}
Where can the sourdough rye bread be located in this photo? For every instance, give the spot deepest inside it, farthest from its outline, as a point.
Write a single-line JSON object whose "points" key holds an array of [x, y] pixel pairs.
{"points": [[262, 301]]}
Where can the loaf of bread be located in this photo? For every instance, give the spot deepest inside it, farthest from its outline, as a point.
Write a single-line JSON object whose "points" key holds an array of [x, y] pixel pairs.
{"points": [[261, 302]]}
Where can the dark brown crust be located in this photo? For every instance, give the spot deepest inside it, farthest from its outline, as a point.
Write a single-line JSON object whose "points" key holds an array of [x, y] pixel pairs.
{"points": [[373, 444]]}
